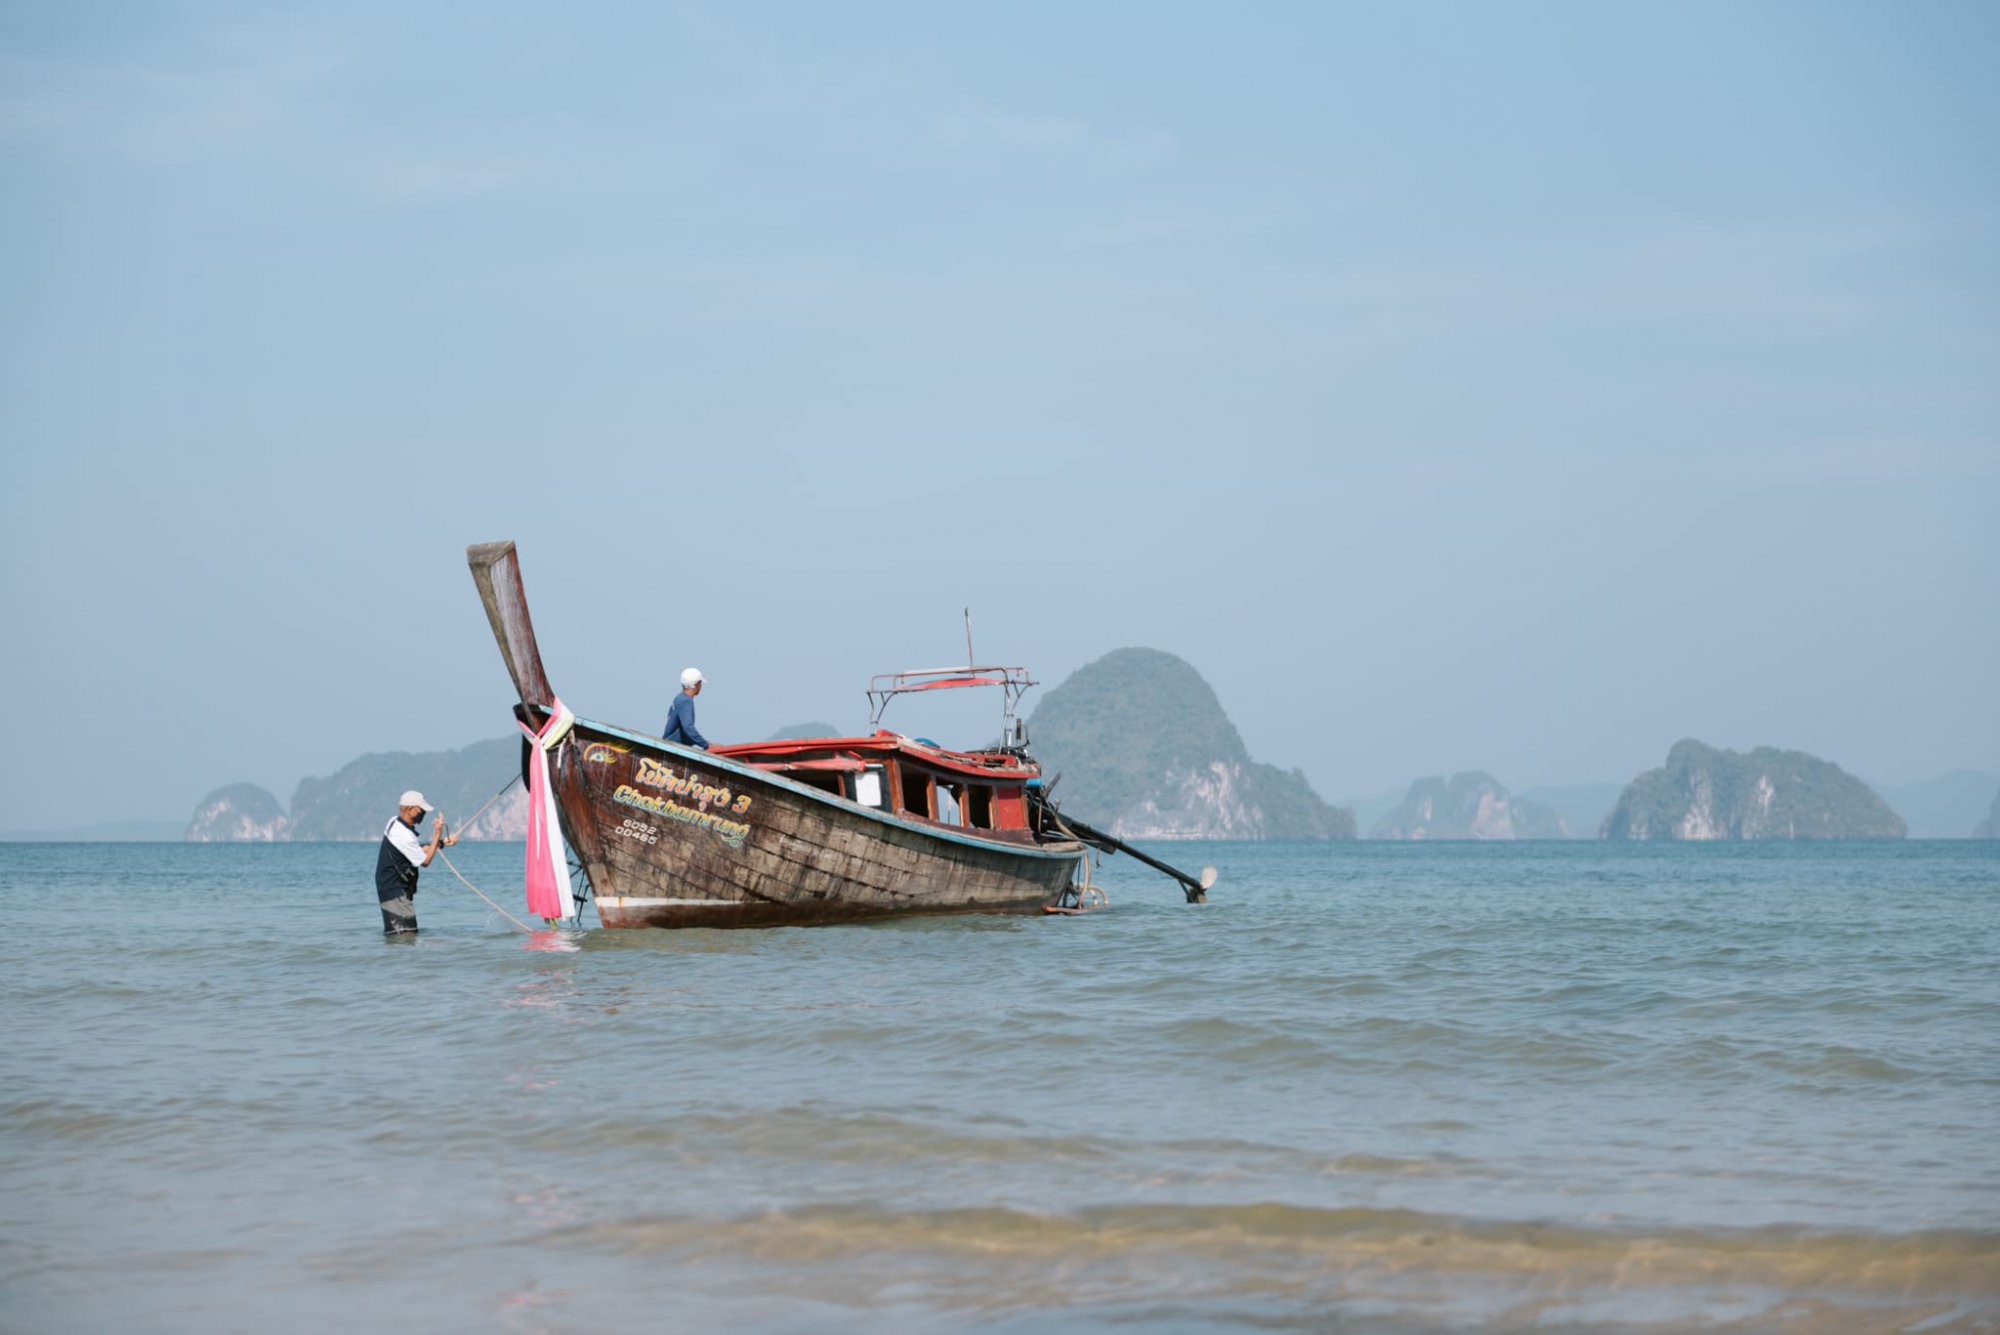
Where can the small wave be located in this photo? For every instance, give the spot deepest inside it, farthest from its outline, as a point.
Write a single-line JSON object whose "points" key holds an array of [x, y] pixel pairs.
{"points": [[880, 1142], [1323, 1259]]}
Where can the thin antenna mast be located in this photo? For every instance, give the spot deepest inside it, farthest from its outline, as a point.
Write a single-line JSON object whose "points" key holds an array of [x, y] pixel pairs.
{"points": [[969, 659]]}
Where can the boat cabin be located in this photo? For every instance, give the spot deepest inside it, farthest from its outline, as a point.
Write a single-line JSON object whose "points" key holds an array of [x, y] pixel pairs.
{"points": [[983, 791]]}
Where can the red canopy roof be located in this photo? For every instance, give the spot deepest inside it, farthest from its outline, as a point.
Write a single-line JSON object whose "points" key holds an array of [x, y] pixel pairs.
{"points": [[954, 681]]}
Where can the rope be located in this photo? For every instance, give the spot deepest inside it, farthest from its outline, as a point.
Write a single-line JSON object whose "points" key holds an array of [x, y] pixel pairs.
{"points": [[461, 875], [491, 800], [482, 894], [1086, 892]]}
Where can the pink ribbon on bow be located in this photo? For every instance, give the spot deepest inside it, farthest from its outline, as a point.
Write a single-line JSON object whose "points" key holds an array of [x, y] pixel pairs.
{"points": [[548, 875]]}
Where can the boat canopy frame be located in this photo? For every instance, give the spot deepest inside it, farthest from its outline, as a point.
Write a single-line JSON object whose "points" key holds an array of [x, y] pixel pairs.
{"points": [[1014, 682]]}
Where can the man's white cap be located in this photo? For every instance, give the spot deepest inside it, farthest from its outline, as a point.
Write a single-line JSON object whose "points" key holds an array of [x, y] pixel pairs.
{"points": [[690, 676], [413, 798]]}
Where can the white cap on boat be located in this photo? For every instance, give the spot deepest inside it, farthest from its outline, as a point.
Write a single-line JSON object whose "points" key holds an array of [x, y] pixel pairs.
{"points": [[689, 676], [413, 798]]}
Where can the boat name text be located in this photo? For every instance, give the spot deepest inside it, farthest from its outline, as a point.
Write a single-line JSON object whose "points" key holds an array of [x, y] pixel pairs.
{"points": [[654, 774], [731, 832]]}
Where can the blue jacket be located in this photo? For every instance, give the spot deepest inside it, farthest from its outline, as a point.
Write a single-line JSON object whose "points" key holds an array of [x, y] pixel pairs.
{"points": [[680, 723]]}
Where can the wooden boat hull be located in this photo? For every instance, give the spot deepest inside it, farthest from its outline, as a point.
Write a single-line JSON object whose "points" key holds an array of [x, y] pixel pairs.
{"points": [[675, 837]]}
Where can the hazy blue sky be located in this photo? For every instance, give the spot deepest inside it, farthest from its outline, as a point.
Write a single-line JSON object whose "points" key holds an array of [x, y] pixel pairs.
{"points": [[1520, 387]]}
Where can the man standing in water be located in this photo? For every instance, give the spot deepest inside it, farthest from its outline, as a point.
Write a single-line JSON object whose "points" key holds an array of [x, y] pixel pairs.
{"points": [[400, 859], [680, 719]]}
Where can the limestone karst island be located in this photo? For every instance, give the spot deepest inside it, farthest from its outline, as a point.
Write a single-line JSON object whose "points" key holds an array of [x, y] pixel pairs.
{"points": [[1146, 750]]}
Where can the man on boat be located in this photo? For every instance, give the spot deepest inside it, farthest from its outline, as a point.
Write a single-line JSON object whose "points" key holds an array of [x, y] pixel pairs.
{"points": [[400, 859], [680, 719]]}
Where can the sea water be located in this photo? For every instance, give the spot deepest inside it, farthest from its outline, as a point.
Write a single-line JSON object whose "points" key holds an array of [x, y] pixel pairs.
{"points": [[1368, 1087]]}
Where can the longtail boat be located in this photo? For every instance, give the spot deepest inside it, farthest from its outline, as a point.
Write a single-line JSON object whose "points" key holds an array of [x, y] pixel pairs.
{"points": [[812, 830]]}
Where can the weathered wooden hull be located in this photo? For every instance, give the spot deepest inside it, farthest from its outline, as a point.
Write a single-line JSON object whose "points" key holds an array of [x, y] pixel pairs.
{"points": [[675, 837]]}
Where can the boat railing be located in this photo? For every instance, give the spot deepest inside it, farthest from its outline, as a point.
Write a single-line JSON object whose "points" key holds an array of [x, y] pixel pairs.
{"points": [[1013, 683]]}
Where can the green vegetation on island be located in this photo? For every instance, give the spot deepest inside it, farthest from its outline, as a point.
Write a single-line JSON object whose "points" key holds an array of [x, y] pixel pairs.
{"points": [[1703, 793], [1145, 750], [356, 801], [238, 812], [1144, 747]]}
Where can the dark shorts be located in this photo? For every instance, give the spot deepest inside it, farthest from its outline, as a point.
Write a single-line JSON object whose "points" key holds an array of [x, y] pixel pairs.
{"points": [[399, 915]]}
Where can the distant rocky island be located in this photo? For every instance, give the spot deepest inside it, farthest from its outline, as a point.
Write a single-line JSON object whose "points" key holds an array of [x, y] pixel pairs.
{"points": [[1472, 805], [798, 730], [357, 801], [1141, 740], [1145, 751], [1703, 793], [239, 812], [1990, 827]]}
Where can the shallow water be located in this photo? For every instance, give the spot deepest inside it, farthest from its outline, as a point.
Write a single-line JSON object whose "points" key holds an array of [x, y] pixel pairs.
{"points": [[1368, 1086]]}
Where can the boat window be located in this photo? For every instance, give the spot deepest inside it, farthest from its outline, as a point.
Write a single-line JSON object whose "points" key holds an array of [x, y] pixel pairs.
{"points": [[868, 786], [947, 801], [916, 792], [820, 779], [979, 806]]}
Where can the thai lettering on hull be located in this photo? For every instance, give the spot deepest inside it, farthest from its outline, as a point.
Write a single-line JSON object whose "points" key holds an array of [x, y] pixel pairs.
{"points": [[708, 806], [658, 774]]}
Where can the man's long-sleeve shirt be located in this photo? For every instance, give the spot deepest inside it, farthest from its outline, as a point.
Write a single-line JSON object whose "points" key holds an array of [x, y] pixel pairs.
{"points": [[680, 723]]}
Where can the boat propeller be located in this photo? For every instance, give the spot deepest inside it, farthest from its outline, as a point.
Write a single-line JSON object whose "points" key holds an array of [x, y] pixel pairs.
{"points": [[1195, 887]]}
